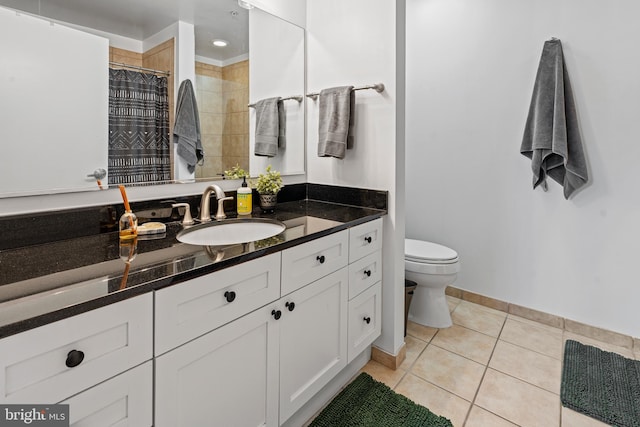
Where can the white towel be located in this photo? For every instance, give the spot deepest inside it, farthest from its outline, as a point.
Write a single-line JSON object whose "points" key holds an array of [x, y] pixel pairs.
{"points": [[335, 121], [552, 135]]}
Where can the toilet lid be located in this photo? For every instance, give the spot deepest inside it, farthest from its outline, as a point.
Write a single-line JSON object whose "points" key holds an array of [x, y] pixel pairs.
{"points": [[421, 251]]}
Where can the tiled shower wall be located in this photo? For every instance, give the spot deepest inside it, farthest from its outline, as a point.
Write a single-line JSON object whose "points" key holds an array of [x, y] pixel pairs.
{"points": [[223, 96]]}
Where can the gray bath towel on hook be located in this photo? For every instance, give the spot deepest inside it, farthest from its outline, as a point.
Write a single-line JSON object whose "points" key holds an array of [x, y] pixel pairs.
{"points": [[335, 121], [552, 136], [186, 131]]}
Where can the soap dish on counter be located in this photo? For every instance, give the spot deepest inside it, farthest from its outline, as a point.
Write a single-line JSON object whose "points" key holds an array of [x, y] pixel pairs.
{"points": [[150, 228]]}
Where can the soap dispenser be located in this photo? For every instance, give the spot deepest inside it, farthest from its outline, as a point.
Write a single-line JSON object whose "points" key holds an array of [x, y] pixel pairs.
{"points": [[245, 205]]}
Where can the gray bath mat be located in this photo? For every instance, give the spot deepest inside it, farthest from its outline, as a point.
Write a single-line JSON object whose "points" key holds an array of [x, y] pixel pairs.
{"points": [[600, 384]]}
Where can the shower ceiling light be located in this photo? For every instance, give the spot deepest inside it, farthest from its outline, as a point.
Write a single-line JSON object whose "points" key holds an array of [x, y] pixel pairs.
{"points": [[245, 4], [219, 42]]}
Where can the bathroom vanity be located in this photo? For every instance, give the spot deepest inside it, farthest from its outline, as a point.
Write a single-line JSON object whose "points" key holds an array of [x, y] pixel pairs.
{"points": [[243, 335]]}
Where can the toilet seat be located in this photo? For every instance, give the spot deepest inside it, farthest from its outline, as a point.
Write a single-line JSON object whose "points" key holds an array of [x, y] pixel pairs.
{"points": [[428, 252]]}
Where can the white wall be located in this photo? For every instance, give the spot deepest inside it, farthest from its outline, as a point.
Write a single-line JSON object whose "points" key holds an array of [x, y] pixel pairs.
{"points": [[293, 11], [354, 43], [470, 72]]}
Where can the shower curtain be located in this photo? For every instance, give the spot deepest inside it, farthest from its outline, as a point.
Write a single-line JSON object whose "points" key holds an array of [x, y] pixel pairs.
{"points": [[139, 149]]}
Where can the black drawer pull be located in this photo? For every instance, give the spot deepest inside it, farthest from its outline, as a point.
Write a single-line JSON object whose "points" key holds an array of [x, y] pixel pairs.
{"points": [[276, 314], [368, 239], [230, 296], [367, 319], [74, 358], [290, 305], [367, 273], [320, 258]]}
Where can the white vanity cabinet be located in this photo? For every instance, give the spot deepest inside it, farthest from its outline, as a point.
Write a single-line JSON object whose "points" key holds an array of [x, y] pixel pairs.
{"points": [[123, 401], [228, 377], [193, 308], [365, 286], [313, 337], [52, 363]]}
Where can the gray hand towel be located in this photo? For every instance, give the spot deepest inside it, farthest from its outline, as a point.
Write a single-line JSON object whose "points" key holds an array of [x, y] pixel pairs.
{"points": [[335, 121], [282, 125], [552, 136], [267, 127], [186, 130]]}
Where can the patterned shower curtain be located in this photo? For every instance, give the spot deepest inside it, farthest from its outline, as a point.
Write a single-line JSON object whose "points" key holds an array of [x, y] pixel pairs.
{"points": [[139, 149]]}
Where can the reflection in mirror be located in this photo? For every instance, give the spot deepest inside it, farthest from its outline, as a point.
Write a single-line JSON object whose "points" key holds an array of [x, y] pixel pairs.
{"points": [[134, 33], [278, 72]]}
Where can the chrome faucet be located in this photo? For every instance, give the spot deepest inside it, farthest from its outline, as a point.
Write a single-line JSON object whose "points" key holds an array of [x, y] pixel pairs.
{"points": [[205, 213]]}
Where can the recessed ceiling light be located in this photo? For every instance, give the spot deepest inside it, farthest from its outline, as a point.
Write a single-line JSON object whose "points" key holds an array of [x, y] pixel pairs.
{"points": [[219, 42], [245, 4]]}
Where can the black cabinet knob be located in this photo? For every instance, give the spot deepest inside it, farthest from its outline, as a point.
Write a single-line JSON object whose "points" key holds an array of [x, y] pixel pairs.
{"points": [[367, 319], [367, 273], [276, 314], [368, 239], [74, 358], [230, 296], [320, 258], [290, 305]]}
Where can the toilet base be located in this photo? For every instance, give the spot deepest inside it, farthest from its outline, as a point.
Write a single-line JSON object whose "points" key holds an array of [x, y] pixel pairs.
{"points": [[430, 308]]}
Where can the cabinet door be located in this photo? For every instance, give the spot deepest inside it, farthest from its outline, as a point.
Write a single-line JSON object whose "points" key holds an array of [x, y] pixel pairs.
{"points": [[55, 361], [365, 239], [228, 377], [122, 401], [312, 340], [193, 308], [364, 272], [365, 323], [305, 263]]}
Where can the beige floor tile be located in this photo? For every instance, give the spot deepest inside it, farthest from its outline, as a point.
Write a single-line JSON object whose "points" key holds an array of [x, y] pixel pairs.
{"points": [[479, 417], [424, 333], [450, 371], [536, 337], [465, 342], [530, 366], [383, 374], [517, 401], [520, 319], [438, 401], [572, 418], [413, 347], [479, 318], [599, 344]]}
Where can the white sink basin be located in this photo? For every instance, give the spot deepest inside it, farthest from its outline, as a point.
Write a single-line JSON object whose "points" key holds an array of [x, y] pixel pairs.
{"points": [[231, 232]]}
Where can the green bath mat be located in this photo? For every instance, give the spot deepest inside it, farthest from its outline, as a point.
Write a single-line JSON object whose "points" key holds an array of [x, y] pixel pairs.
{"points": [[369, 403], [600, 384]]}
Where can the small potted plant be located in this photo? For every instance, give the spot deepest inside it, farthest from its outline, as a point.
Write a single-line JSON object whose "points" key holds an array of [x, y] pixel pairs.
{"points": [[268, 185]]}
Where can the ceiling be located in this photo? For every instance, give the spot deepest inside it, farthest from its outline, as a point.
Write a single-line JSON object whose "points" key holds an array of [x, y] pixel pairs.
{"points": [[140, 19]]}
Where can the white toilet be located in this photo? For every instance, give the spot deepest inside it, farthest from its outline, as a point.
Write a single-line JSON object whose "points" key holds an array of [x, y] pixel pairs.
{"points": [[432, 267]]}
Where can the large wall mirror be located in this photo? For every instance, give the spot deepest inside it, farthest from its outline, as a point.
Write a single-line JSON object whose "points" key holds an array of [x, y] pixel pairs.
{"points": [[57, 129]]}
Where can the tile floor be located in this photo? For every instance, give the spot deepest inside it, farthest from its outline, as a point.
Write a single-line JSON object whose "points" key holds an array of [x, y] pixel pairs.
{"points": [[490, 369]]}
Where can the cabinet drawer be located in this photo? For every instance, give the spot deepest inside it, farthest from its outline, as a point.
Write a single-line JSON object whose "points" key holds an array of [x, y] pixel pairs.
{"points": [[364, 239], [364, 272], [112, 339], [191, 309], [365, 323], [125, 400], [306, 263]]}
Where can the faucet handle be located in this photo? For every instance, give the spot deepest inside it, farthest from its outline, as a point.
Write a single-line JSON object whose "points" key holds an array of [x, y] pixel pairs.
{"points": [[187, 220], [220, 214]]}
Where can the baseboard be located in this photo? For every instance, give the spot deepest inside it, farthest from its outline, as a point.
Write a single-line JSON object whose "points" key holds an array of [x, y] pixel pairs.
{"points": [[594, 332], [389, 360]]}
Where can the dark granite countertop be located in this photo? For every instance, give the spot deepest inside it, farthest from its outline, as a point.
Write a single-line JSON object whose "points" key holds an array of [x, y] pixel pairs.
{"points": [[43, 283]]}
